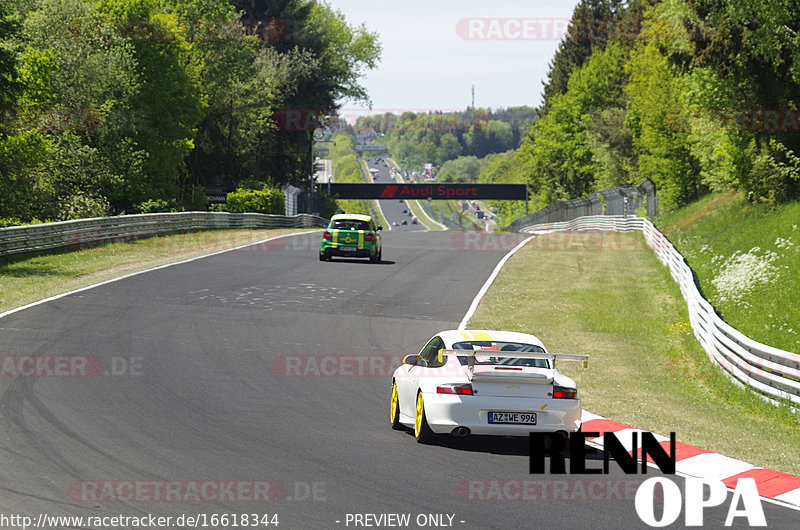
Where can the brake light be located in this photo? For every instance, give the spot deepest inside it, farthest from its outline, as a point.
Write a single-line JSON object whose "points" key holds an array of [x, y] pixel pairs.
{"points": [[327, 235], [560, 392], [461, 390], [508, 368], [369, 236]]}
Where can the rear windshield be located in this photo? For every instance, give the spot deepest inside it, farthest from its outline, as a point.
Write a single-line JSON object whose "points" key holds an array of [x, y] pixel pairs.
{"points": [[349, 224], [491, 353]]}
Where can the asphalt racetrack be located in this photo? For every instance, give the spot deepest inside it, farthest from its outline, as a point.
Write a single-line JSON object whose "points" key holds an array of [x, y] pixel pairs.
{"points": [[395, 211], [211, 403]]}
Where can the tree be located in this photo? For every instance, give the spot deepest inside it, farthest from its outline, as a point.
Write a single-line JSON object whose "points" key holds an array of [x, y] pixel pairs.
{"points": [[654, 116], [611, 144], [752, 44], [135, 105], [9, 87], [590, 29], [22, 147], [449, 148], [79, 84], [462, 169], [556, 156]]}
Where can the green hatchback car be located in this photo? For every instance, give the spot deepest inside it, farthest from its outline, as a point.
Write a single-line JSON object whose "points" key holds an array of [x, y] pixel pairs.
{"points": [[351, 235]]}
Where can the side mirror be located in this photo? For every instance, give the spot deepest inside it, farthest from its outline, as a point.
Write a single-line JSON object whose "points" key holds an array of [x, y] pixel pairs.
{"points": [[380, 228], [414, 360]]}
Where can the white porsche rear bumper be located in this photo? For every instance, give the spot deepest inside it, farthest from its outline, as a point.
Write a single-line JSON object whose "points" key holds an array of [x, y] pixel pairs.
{"points": [[445, 412]]}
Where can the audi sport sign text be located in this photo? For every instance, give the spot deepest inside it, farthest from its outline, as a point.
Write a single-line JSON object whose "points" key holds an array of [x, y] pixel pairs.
{"points": [[449, 191]]}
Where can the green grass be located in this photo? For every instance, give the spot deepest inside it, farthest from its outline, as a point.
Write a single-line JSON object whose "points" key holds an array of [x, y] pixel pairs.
{"points": [[607, 295], [708, 234], [469, 222], [381, 220], [28, 277]]}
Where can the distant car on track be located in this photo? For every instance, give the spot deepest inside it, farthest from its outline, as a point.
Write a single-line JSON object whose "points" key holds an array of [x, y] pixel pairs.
{"points": [[486, 383], [351, 235]]}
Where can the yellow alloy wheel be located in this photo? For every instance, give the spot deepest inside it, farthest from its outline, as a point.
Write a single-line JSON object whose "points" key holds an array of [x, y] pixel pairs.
{"points": [[393, 404], [422, 431], [418, 416]]}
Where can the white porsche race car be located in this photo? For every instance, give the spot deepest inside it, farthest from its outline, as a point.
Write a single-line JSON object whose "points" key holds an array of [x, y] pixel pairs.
{"points": [[484, 382]]}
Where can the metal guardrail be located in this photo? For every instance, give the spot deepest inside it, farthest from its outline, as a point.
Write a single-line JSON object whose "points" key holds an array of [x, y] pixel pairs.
{"points": [[773, 372], [82, 233], [621, 200]]}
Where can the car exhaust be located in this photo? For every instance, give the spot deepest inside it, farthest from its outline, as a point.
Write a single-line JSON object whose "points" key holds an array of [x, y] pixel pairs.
{"points": [[461, 431]]}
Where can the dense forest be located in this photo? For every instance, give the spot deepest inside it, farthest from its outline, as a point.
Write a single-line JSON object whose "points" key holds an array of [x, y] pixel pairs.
{"points": [[436, 137], [697, 95], [112, 106], [126, 106]]}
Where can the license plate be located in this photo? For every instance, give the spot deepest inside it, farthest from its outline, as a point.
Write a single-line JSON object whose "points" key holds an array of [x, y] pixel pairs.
{"points": [[521, 418], [348, 249]]}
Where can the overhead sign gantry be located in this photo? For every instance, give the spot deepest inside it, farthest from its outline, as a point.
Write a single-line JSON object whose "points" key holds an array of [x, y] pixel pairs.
{"points": [[435, 191]]}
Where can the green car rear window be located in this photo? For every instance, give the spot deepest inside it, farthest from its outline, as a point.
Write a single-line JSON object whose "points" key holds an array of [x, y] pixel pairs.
{"points": [[349, 224]]}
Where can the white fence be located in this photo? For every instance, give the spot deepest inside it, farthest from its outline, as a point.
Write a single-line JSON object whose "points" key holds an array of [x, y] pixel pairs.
{"points": [[82, 233], [772, 372]]}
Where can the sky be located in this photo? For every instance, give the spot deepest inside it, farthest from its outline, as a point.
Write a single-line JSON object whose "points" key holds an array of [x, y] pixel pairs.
{"points": [[435, 50]]}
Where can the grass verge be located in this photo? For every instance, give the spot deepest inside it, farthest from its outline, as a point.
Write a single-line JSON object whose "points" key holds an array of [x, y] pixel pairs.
{"points": [[747, 258], [464, 218], [608, 296], [28, 277]]}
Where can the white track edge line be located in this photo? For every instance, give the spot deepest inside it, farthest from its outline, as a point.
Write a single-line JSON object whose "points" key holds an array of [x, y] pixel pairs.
{"points": [[488, 283], [431, 219]]}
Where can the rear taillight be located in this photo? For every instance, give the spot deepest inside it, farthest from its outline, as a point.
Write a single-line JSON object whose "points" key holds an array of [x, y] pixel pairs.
{"points": [[327, 235], [462, 390], [369, 236], [560, 392]]}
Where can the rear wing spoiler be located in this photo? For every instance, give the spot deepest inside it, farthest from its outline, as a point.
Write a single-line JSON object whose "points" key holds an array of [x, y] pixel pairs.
{"points": [[470, 355], [518, 355]]}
